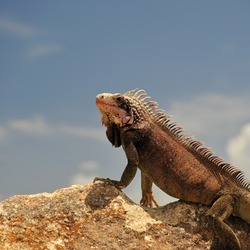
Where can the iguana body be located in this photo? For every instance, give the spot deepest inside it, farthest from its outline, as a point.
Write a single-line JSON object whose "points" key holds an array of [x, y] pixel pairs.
{"points": [[173, 161]]}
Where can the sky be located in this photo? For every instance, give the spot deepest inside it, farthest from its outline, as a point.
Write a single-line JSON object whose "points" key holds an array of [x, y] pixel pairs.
{"points": [[192, 57]]}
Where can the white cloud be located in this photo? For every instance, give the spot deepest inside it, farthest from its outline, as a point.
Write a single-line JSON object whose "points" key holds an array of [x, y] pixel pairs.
{"points": [[11, 27], [86, 173], [238, 149], [35, 126], [82, 132], [38, 126], [212, 115], [16, 28], [89, 166], [42, 50]]}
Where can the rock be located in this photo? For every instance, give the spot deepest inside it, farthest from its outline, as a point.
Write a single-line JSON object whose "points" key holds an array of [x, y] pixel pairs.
{"points": [[98, 216]]}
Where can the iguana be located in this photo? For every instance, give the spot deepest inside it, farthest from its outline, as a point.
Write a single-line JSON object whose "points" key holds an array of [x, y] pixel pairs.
{"points": [[174, 161]]}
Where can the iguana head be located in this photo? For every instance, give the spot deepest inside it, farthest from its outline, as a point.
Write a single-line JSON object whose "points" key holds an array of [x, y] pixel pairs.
{"points": [[123, 111], [115, 108]]}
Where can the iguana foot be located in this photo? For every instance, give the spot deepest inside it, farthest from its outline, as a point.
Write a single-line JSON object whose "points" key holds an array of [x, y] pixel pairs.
{"points": [[148, 199], [117, 184]]}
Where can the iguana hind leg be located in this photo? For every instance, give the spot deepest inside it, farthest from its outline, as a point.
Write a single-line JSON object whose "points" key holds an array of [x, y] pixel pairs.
{"points": [[148, 198], [220, 211]]}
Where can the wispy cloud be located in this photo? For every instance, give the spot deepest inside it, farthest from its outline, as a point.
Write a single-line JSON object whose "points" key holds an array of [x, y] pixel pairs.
{"points": [[39, 126], [18, 29], [239, 147], [212, 115], [12, 27], [44, 50], [82, 131], [35, 126], [86, 172]]}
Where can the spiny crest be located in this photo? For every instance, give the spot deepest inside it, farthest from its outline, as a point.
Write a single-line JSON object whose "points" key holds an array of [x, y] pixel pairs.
{"points": [[142, 100]]}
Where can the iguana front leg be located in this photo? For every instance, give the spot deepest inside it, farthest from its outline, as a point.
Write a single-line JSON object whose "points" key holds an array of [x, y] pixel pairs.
{"points": [[126, 178], [220, 211], [147, 194], [130, 170]]}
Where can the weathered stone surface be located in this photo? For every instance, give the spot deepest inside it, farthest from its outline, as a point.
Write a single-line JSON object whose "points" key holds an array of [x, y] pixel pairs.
{"points": [[99, 216]]}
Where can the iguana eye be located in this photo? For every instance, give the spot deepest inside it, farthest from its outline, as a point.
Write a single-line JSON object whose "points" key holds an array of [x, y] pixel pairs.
{"points": [[122, 103], [119, 99]]}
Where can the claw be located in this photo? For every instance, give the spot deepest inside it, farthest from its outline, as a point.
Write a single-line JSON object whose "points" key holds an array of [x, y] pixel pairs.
{"points": [[104, 180], [109, 182], [99, 179], [148, 200], [155, 202]]}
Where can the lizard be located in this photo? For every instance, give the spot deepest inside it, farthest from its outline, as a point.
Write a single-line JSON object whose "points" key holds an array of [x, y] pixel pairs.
{"points": [[173, 160]]}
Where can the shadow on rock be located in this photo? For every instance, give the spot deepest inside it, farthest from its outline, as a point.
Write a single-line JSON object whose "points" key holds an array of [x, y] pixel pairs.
{"points": [[100, 196]]}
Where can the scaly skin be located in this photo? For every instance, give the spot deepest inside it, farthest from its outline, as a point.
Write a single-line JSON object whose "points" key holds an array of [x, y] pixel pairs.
{"points": [[174, 162]]}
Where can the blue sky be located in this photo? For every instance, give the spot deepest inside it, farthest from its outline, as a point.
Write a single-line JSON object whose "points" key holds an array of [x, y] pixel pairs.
{"points": [[193, 57]]}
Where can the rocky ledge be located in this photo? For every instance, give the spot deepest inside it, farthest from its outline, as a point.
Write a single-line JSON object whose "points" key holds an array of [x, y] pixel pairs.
{"points": [[98, 216]]}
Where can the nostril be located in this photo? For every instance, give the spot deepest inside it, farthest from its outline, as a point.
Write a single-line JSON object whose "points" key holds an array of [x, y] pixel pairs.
{"points": [[100, 96], [104, 96]]}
